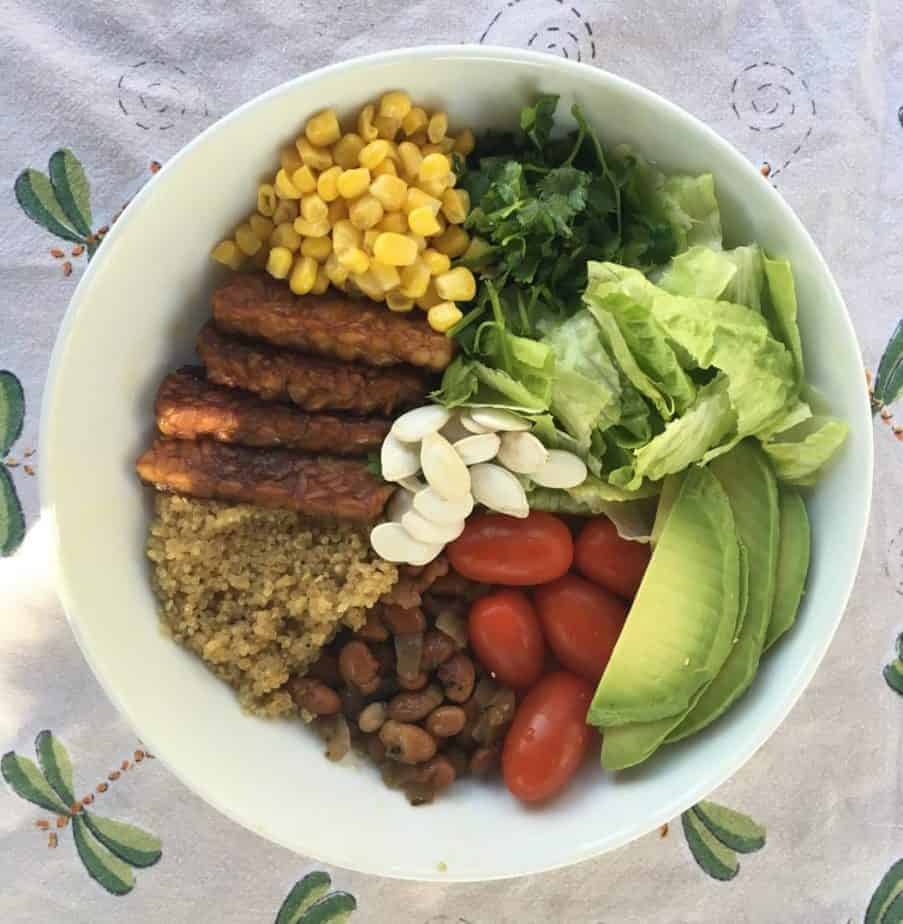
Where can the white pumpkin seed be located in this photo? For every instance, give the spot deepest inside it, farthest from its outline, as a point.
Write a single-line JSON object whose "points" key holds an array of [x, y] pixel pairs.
{"points": [[433, 506], [424, 530], [478, 447], [398, 460], [401, 502], [522, 452], [412, 483], [443, 468], [496, 488], [392, 542], [413, 426], [470, 425], [495, 418], [454, 429], [562, 470]]}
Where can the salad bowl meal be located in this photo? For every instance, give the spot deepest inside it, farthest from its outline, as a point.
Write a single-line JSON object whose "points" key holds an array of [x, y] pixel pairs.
{"points": [[505, 454]]}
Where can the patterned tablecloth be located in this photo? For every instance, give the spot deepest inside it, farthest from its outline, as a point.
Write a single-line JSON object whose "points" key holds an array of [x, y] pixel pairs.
{"points": [[811, 830]]}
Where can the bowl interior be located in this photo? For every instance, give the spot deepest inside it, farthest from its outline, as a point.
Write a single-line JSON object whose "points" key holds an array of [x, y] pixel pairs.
{"points": [[134, 317]]}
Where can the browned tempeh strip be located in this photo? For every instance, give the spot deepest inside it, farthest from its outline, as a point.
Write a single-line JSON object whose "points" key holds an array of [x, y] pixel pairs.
{"points": [[313, 485], [188, 407], [332, 324], [312, 383]]}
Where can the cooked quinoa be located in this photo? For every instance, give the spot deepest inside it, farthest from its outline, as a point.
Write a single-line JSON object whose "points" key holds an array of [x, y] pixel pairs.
{"points": [[256, 593]]}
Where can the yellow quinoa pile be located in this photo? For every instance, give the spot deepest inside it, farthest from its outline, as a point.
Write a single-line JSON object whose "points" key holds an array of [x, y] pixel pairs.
{"points": [[256, 593]]}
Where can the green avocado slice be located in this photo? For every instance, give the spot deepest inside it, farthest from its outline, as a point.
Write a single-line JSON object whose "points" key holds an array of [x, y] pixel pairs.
{"points": [[746, 475], [679, 630], [793, 563]]}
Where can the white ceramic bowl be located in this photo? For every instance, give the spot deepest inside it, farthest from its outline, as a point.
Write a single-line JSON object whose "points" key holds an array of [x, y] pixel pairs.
{"points": [[135, 315]]}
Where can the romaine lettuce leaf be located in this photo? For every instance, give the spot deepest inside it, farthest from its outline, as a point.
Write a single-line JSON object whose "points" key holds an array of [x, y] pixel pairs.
{"points": [[800, 452], [700, 272], [782, 313], [470, 383], [748, 284]]}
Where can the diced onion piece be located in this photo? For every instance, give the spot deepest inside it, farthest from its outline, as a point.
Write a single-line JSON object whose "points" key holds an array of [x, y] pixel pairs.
{"points": [[496, 488], [493, 418], [424, 530], [413, 426], [393, 542], [478, 447], [443, 468], [398, 460], [433, 506], [562, 470], [522, 452]]}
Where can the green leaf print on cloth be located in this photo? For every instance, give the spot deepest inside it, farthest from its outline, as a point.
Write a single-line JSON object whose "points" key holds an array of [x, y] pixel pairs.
{"points": [[716, 834], [889, 383], [886, 906], [893, 672], [109, 849], [12, 416], [309, 903]]}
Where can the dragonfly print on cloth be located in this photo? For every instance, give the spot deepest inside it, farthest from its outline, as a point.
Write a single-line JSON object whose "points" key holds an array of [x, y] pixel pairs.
{"points": [[716, 834], [311, 902]]}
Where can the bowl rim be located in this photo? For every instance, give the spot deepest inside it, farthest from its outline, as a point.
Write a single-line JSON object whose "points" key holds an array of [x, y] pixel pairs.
{"points": [[795, 684]]}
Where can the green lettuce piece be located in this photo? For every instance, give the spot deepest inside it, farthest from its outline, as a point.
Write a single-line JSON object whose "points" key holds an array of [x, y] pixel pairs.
{"points": [[686, 439], [700, 273], [782, 313], [747, 286], [799, 453], [470, 383], [690, 207]]}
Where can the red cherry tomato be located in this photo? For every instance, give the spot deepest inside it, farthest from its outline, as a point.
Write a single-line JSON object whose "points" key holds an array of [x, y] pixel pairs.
{"points": [[604, 557], [497, 549], [581, 622], [548, 738], [506, 637]]}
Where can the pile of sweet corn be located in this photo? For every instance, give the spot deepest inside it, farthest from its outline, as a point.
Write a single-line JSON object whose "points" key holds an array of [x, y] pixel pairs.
{"points": [[373, 211]]}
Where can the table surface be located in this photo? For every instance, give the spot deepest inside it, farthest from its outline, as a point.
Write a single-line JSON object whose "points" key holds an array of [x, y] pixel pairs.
{"points": [[813, 89]]}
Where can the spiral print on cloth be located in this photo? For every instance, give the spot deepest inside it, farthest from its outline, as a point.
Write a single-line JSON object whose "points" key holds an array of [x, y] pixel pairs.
{"points": [[553, 26], [775, 102], [157, 95]]}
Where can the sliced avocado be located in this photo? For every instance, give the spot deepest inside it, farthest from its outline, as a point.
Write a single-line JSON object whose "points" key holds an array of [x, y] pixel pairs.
{"points": [[628, 745], [679, 629], [793, 563], [746, 475]]}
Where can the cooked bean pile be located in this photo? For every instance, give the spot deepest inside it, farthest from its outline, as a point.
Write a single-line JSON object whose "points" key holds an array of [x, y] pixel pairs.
{"points": [[406, 690]]}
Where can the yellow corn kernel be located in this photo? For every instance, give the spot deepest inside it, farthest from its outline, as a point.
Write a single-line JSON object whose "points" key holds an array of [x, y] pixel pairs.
{"points": [[327, 184], [433, 167], [354, 260], [259, 260], [452, 180], [419, 240], [314, 157], [323, 129], [337, 211], [415, 279], [394, 221], [365, 127], [365, 212], [395, 104], [429, 298], [287, 210], [345, 236], [443, 316], [369, 285], [437, 185], [261, 226], [422, 221], [395, 249], [437, 128], [457, 285], [370, 236], [304, 180], [248, 242], [266, 199], [386, 168], [353, 183], [419, 138], [279, 262], [311, 228], [465, 143], [322, 282], [289, 159], [390, 190], [373, 153], [346, 150], [445, 146], [228, 253], [452, 242], [415, 121], [286, 236], [317, 247], [334, 270], [411, 158], [304, 275], [455, 205], [313, 208], [438, 263], [285, 188], [417, 198], [386, 127], [395, 301], [386, 275]]}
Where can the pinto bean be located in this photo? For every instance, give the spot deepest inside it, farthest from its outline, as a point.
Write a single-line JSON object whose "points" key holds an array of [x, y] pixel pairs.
{"points": [[404, 621], [358, 667], [437, 649], [484, 760], [458, 676], [417, 682], [446, 721], [314, 696], [407, 743], [415, 705], [372, 717], [373, 629]]}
